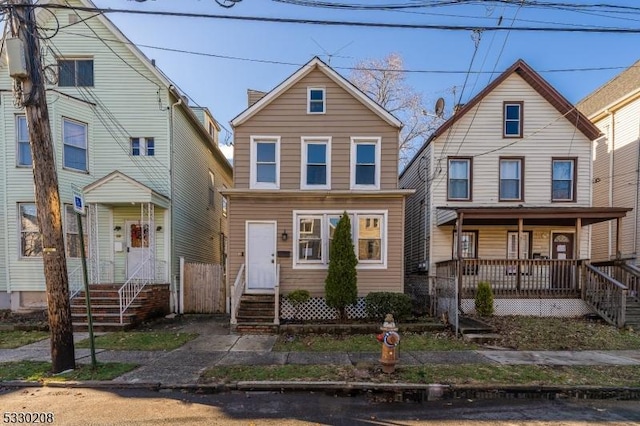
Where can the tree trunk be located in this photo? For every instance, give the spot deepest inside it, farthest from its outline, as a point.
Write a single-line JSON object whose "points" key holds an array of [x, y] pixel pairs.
{"points": [[46, 191]]}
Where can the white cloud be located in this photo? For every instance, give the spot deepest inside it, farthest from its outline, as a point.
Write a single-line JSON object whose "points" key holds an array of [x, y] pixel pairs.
{"points": [[227, 150]]}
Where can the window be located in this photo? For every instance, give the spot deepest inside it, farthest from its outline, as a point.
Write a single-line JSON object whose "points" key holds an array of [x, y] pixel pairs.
{"points": [[512, 250], [265, 167], [564, 182], [22, 135], [71, 233], [511, 182], [225, 204], [30, 237], [369, 238], [143, 147], [315, 100], [316, 155], [212, 188], [310, 239], [365, 163], [469, 244], [74, 136], [314, 232], [459, 179], [75, 72], [512, 120]]}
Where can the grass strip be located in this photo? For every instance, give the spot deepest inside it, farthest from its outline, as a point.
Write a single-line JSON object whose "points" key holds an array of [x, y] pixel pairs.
{"points": [[604, 376], [17, 338], [37, 371], [140, 341]]}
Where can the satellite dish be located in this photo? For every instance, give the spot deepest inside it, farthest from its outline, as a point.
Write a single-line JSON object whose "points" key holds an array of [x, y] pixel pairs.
{"points": [[439, 108]]}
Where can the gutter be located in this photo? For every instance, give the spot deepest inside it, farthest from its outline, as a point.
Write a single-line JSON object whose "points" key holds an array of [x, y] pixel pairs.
{"points": [[172, 273]]}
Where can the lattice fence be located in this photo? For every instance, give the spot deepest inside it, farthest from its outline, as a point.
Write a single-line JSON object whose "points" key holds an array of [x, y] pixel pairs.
{"points": [[533, 307], [316, 309]]}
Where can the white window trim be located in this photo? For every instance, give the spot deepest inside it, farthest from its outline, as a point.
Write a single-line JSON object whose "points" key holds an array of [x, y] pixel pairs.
{"points": [[355, 140], [17, 130], [86, 144], [306, 140], [254, 184], [324, 100], [143, 146], [323, 265]]}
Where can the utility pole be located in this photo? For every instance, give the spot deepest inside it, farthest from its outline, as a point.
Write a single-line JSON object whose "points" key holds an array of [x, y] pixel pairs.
{"points": [[31, 93]]}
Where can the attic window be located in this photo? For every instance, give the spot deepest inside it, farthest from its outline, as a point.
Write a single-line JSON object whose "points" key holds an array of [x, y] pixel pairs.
{"points": [[315, 100], [512, 120]]}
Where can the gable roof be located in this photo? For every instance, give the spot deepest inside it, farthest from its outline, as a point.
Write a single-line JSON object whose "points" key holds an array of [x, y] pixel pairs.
{"points": [[541, 86], [624, 86], [314, 64], [118, 188]]}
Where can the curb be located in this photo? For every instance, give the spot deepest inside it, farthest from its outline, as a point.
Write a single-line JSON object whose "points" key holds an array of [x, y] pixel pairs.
{"points": [[401, 391]]}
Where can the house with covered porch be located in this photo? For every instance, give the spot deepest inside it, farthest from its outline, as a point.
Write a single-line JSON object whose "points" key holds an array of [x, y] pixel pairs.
{"points": [[503, 195]]}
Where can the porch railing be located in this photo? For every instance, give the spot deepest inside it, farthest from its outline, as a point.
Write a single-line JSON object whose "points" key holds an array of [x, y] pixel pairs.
{"points": [[627, 274], [236, 293], [143, 275], [606, 295], [76, 281], [516, 278], [276, 308]]}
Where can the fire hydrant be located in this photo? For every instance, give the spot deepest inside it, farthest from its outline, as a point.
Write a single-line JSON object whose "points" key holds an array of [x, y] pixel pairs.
{"points": [[390, 339]]}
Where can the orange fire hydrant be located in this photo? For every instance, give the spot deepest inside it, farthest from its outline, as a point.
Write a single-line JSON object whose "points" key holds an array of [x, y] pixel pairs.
{"points": [[390, 339]]}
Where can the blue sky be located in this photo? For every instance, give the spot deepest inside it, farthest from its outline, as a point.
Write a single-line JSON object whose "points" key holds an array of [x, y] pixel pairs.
{"points": [[221, 83]]}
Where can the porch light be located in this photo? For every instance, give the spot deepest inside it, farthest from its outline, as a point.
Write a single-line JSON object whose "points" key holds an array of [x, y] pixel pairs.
{"points": [[117, 228], [284, 235], [159, 228]]}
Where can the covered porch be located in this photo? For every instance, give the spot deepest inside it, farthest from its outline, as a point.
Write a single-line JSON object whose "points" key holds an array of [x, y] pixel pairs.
{"points": [[527, 254]]}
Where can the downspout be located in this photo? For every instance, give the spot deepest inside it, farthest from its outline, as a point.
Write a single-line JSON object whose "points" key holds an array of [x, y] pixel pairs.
{"points": [[172, 273], [612, 136]]}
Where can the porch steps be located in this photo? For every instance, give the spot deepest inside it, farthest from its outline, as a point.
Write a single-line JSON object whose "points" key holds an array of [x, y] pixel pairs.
{"points": [[476, 331], [255, 314], [105, 309], [632, 314]]}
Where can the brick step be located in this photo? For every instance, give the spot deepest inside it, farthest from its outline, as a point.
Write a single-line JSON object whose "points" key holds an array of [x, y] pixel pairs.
{"points": [[252, 310], [255, 319], [106, 318], [268, 298], [101, 326], [102, 309]]}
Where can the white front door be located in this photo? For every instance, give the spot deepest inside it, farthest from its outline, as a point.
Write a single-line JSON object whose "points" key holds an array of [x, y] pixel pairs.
{"points": [[137, 246], [261, 256]]}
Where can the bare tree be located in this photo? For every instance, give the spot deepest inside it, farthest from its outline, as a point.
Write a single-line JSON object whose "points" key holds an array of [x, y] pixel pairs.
{"points": [[383, 80]]}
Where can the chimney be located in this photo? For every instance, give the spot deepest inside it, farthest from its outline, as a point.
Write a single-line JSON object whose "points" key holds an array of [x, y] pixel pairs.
{"points": [[254, 96]]}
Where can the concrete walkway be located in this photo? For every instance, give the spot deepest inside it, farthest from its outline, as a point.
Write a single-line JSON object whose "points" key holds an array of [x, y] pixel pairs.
{"points": [[184, 365]]}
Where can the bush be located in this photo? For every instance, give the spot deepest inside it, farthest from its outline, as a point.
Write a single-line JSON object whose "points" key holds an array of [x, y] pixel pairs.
{"points": [[484, 299], [379, 304], [297, 298], [340, 286]]}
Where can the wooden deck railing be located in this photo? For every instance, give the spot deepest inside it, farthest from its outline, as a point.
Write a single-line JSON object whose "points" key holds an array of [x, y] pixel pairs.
{"points": [[525, 278], [606, 295]]}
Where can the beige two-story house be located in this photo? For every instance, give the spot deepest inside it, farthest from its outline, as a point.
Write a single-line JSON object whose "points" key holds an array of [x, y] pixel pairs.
{"points": [[305, 152], [503, 194]]}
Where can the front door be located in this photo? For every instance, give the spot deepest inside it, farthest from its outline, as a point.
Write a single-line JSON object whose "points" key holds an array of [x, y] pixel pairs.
{"points": [[137, 246], [261, 257], [562, 249]]}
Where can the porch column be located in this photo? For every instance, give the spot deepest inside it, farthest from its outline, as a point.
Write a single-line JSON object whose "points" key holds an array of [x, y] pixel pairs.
{"points": [[459, 256], [520, 238], [618, 229], [578, 229]]}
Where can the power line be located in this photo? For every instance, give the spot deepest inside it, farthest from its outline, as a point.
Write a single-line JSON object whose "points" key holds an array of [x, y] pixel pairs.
{"points": [[614, 30]]}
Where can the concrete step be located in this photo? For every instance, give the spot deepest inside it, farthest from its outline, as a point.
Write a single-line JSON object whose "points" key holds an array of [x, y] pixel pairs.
{"points": [[256, 328], [255, 319], [481, 338], [105, 318], [101, 326]]}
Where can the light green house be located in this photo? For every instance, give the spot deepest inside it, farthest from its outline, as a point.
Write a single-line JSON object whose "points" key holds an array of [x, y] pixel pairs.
{"points": [[148, 165]]}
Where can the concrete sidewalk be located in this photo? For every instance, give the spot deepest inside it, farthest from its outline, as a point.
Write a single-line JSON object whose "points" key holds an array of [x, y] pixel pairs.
{"points": [[184, 365]]}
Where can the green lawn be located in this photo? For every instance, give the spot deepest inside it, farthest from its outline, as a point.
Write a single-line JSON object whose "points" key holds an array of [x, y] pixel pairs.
{"points": [[35, 371], [140, 340], [16, 338]]}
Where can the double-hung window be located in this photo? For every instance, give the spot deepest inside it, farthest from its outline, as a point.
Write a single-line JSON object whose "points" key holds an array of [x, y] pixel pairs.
{"points": [[143, 147], [511, 181], [365, 163], [314, 233], [469, 244], [30, 237], [512, 126], [459, 179], [564, 179], [316, 163], [74, 135], [22, 136], [75, 72], [212, 186], [316, 100], [265, 162], [72, 233]]}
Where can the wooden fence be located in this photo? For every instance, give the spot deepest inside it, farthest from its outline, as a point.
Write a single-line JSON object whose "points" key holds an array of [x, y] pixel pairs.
{"points": [[204, 289]]}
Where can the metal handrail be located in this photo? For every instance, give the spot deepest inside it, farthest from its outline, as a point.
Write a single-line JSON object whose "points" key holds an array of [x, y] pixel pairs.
{"points": [[236, 293], [276, 319], [134, 285], [76, 281]]}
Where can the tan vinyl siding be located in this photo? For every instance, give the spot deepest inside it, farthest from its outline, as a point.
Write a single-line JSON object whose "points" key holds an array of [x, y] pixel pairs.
{"points": [[417, 218], [281, 210], [287, 117], [547, 134], [197, 227]]}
